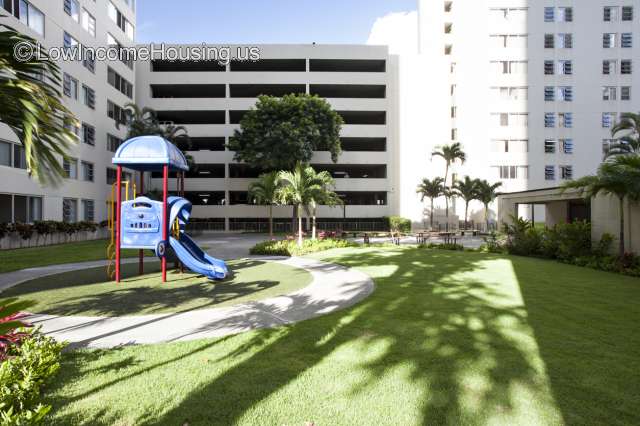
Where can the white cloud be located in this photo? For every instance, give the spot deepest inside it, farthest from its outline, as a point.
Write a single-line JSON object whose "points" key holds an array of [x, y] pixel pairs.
{"points": [[397, 30]]}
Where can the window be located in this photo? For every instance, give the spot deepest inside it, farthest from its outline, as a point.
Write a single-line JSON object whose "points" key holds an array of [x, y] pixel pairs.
{"points": [[112, 176], [549, 146], [625, 93], [565, 14], [35, 209], [70, 86], [72, 8], [549, 94], [119, 19], [549, 41], [549, 119], [5, 153], [87, 171], [69, 210], [516, 145], [567, 146], [609, 40], [549, 67], [511, 172], [19, 157], [565, 120], [566, 172], [609, 93], [70, 167], [454, 134], [88, 22], [565, 40], [73, 128], [609, 66], [610, 14], [565, 93], [626, 40], [549, 14], [89, 96], [627, 13], [88, 210], [625, 66], [116, 112], [608, 119], [123, 54], [30, 16], [549, 173], [504, 120], [69, 42], [113, 143], [88, 134], [121, 84], [89, 60], [565, 67]]}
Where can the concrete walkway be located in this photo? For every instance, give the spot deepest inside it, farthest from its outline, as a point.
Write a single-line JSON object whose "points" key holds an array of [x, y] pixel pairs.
{"points": [[333, 287]]}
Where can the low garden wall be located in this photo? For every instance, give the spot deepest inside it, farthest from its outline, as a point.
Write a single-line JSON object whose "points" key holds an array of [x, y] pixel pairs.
{"points": [[40, 234]]}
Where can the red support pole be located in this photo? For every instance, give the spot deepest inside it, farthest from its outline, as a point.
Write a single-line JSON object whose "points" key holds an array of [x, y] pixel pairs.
{"points": [[118, 218], [165, 218], [182, 195], [141, 252]]}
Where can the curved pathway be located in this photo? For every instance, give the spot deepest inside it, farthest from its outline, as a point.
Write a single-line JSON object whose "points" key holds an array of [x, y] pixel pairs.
{"points": [[333, 287]]}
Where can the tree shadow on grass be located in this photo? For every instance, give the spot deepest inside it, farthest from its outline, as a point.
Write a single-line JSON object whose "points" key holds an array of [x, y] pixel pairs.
{"points": [[586, 325], [463, 344]]}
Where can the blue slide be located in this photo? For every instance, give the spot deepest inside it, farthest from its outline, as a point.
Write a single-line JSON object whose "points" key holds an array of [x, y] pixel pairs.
{"points": [[192, 256]]}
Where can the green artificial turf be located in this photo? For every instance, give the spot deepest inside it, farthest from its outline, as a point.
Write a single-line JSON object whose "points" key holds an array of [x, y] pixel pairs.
{"points": [[88, 293], [447, 338], [84, 251]]}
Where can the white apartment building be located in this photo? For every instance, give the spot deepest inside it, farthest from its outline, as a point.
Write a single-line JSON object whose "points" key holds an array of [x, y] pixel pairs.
{"points": [[530, 88], [95, 92], [210, 99]]}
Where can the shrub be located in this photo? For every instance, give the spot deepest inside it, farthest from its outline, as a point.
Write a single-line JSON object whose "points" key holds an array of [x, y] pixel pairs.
{"points": [[25, 230], [399, 224], [492, 244], [290, 248], [29, 366]]}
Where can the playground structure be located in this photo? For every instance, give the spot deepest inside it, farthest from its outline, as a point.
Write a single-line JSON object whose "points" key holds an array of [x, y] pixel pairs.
{"points": [[144, 224]]}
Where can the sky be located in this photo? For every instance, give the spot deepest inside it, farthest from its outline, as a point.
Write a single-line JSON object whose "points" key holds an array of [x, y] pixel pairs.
{"points": [[263, 21]]}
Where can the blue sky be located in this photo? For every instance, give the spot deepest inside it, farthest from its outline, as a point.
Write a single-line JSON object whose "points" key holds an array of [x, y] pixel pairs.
{"points": [[262, 21]]}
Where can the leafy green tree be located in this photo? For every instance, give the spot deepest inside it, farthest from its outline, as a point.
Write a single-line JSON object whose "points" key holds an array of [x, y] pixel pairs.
{"points": [[467, 190], [619, 177], [450, 154], [265, 191], [431, 189], [627, 131], [301, 188], [487, 193], [279, 133], [31, 105]]}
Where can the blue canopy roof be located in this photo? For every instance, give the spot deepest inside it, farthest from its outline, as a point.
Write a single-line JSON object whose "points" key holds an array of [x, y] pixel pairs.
{"points": [[150, 153]]}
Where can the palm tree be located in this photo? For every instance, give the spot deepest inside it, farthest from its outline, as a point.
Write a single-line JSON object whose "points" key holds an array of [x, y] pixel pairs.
{"points": [[300, 188], [487, 193], [466, 189], [142, 121], [629, 141], [431, 189], [324, 195], [619, 177], [265, 191], [450, 154], [31, 105]]}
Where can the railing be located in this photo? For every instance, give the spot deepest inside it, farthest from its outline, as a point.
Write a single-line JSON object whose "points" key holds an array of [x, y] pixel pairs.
{"points": [[353, 226], [260, 227], [205, 226]]}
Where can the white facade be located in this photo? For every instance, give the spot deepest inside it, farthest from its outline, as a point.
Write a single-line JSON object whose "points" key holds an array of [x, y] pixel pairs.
{"points": [[517, 66], [88, 22], [525, 86], [358, 81]]}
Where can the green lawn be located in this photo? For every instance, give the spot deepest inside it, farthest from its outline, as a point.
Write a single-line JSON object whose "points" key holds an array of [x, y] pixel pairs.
{"points": [[447, 338], [85, 251], [85, 292]]}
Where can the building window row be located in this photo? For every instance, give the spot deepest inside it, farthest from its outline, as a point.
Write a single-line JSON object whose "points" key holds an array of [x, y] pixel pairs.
{"points": [[613, 66], [12, 155], [507, 93], [560, 41], [614, 93], [119, 83], [71, 43], [617, 13], [551, 146], [26, 13], [566, 172], [120, 20], [86, 19], [510, 145], [510, 172], [510, 67], [509, 40], [562, 93], [561, 120], [71, 171], [558, 14], [20, 208], [561, 67], [510, 119], [613, 40]]}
